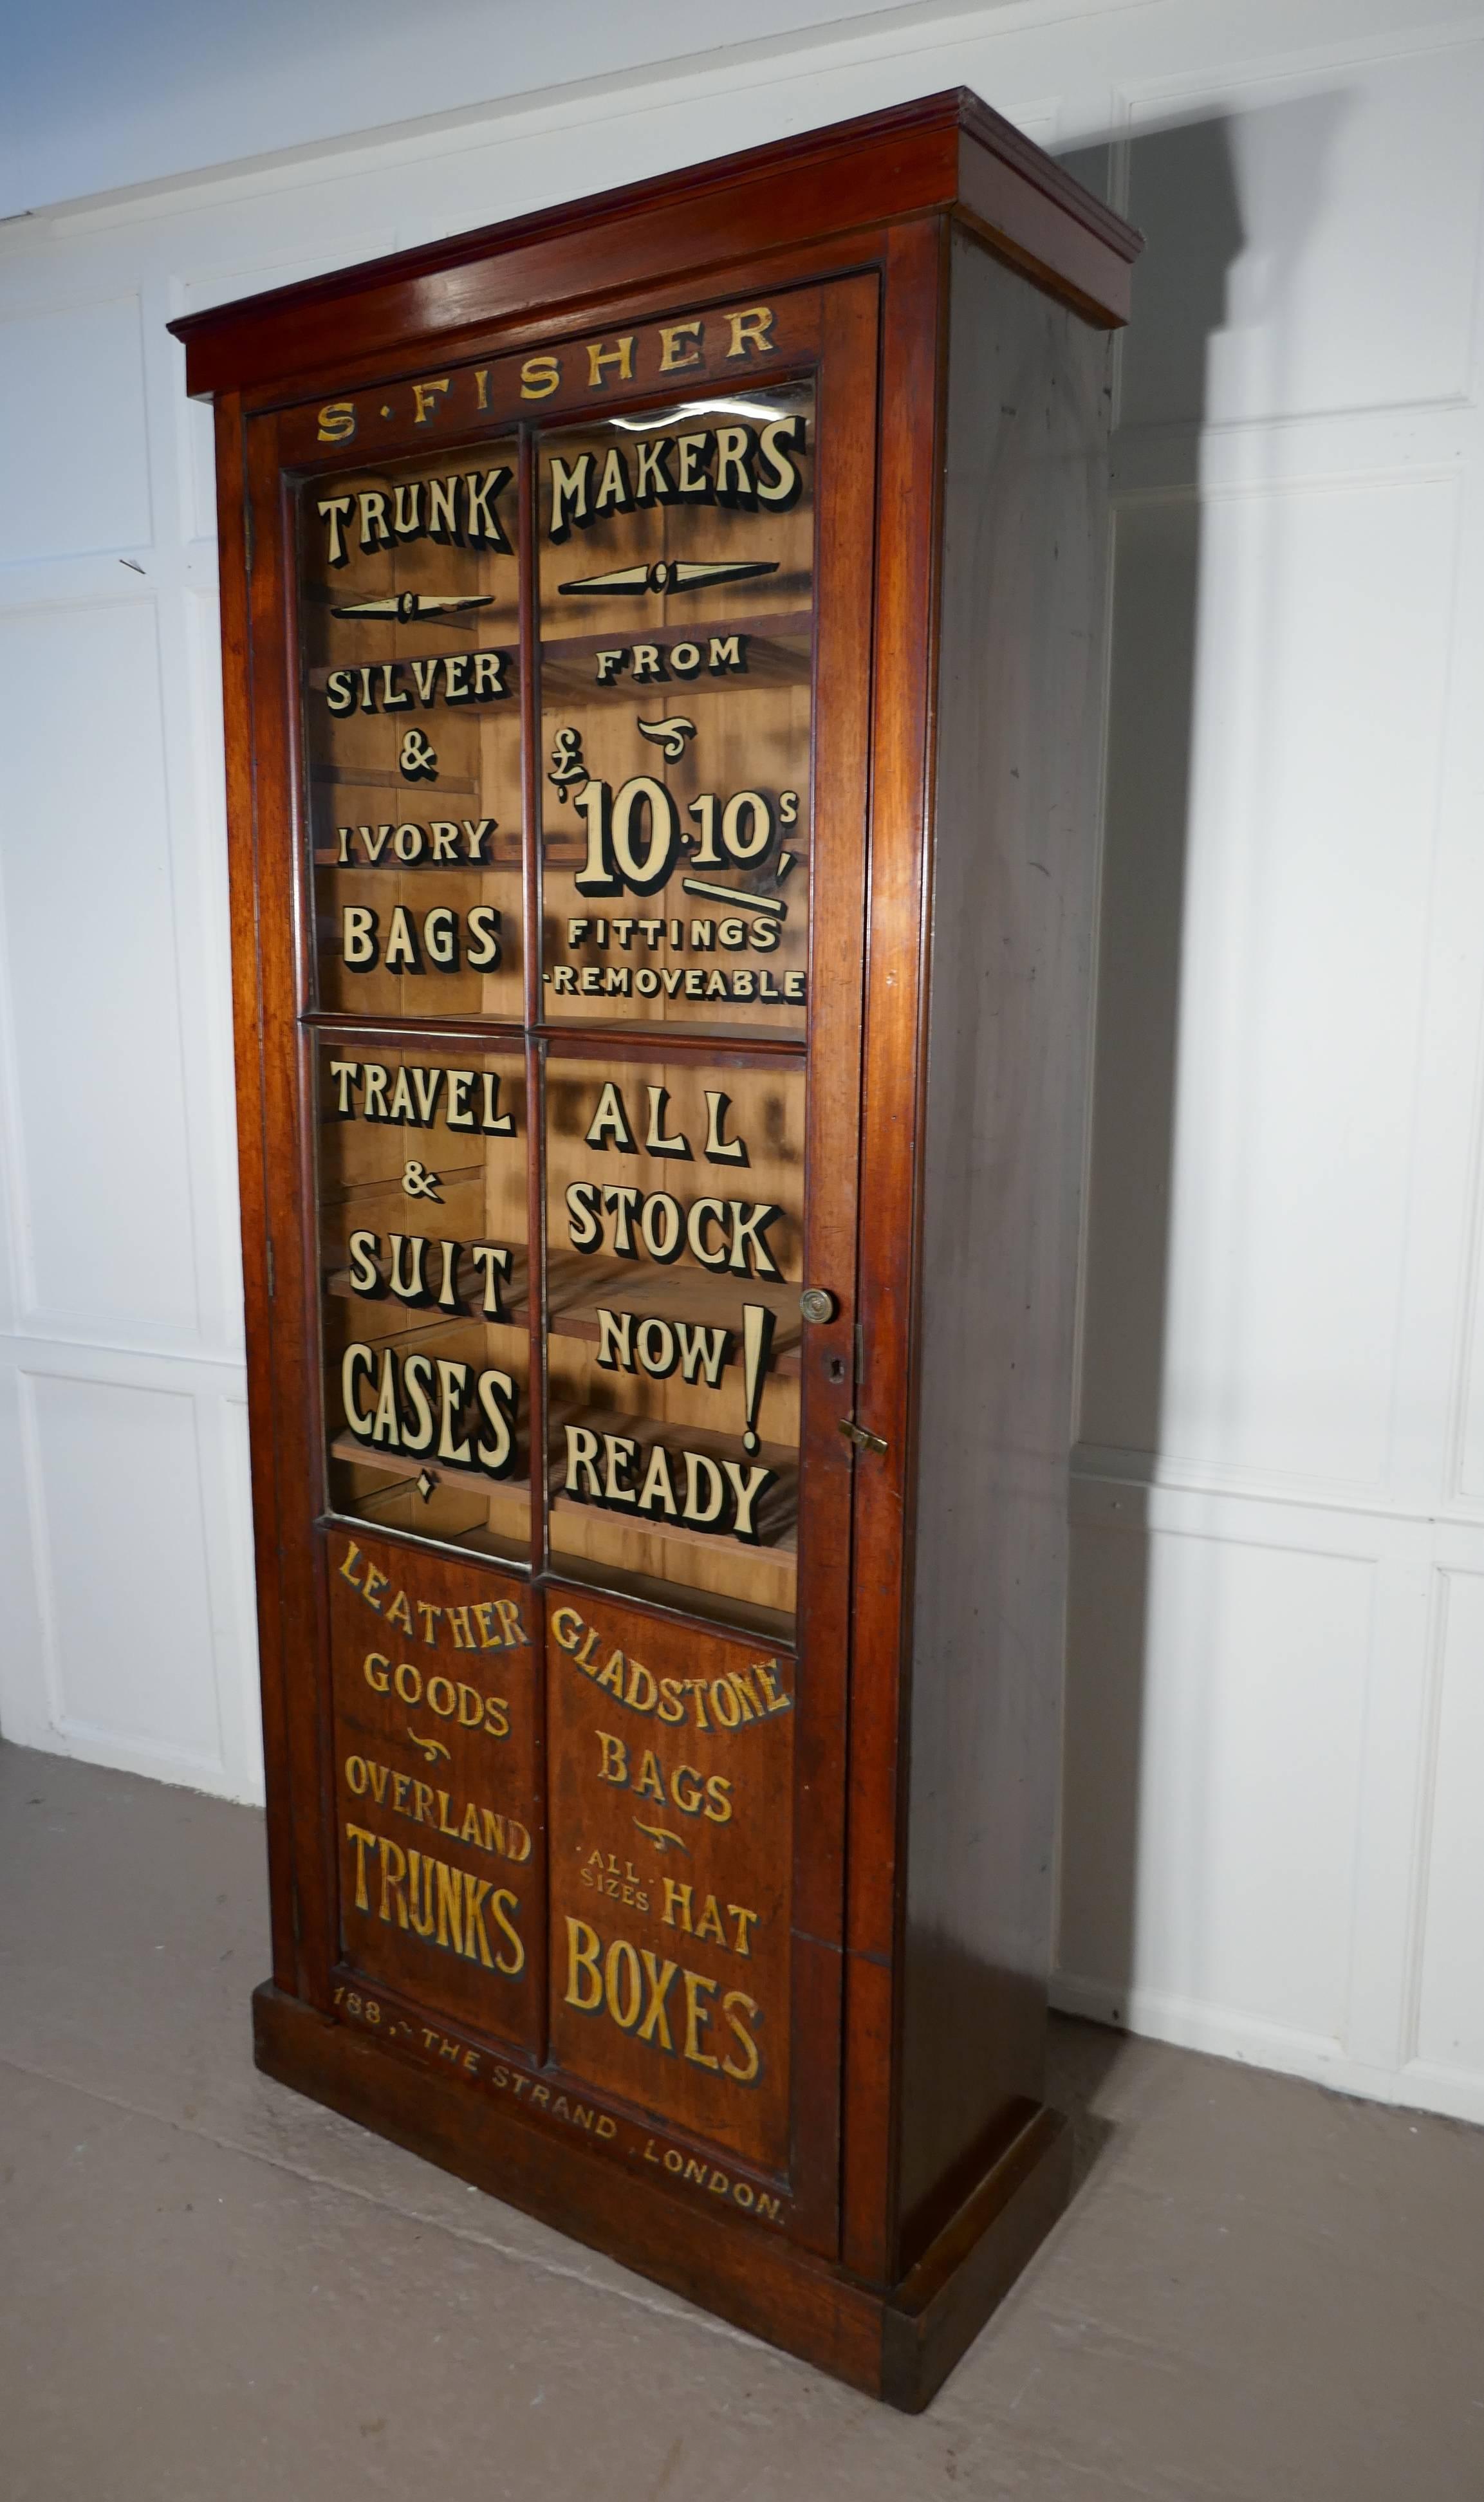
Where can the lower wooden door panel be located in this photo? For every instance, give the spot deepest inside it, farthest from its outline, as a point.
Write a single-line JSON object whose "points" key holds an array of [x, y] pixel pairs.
{"points": [[565, 1846], [440, 1825], [671, 1813]]}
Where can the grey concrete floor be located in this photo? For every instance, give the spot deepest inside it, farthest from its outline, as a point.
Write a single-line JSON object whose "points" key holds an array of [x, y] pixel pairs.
{"points": [[214, 2291]]}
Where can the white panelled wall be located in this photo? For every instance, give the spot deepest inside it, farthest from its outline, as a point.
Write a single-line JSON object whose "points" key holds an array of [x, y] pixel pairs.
{"points": [[1273, 1844]]}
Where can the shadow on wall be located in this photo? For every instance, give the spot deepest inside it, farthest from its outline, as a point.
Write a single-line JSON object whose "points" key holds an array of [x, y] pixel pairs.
{"points": [[1141, 1782]]}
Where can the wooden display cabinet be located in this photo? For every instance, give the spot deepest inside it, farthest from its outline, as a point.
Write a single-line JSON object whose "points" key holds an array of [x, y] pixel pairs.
{"points": [[662, 671]]}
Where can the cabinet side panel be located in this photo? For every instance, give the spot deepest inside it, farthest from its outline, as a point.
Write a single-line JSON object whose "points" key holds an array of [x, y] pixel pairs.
{"points": [[1013, 878]]}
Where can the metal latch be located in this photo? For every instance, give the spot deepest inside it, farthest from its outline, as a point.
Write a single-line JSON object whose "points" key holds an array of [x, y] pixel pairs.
{"points": [[856, 1434]]}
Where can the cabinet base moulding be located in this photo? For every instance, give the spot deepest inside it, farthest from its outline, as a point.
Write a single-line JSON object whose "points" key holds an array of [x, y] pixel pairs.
{"points": [[898, 2343]]}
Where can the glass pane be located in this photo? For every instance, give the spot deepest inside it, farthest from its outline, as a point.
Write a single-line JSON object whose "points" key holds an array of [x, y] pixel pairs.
{"points": [[410, 631], [425, 1291], [677, 572], [674, 1231]]}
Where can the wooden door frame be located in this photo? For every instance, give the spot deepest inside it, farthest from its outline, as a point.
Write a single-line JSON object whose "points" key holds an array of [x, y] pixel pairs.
{"points": [[277, 1036]]}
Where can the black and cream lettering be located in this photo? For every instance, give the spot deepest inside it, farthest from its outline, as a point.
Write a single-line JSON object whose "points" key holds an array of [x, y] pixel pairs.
{"points": [[612, 1471], [744, 468], [445, 678], [459, 509]]}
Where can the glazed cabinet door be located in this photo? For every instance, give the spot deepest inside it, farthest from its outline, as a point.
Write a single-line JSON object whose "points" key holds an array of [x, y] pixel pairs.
{"points": [[559, 682]]}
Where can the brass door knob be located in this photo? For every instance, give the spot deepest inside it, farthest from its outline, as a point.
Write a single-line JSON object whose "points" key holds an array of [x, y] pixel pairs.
{"points": [[816, 1303]]}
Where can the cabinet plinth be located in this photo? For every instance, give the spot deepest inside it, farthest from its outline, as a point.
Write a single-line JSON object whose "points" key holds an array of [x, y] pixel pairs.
{"points": [[662, 693]]}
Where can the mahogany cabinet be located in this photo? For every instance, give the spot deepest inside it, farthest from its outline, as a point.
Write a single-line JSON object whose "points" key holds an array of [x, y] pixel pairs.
{"points": [[662, 662]]}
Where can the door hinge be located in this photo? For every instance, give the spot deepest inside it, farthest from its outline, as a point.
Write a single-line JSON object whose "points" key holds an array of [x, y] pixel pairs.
{"points": [[856, 1434], [249, 533], [272, 1275]]}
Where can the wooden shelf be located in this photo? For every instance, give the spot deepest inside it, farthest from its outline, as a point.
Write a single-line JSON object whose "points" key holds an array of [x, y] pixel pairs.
{"points": [[375, 777], [341, 1194], [778, 1514], [472, 621], [780, 623], [578, 1288], [409, 1466], [783, 1551]]}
